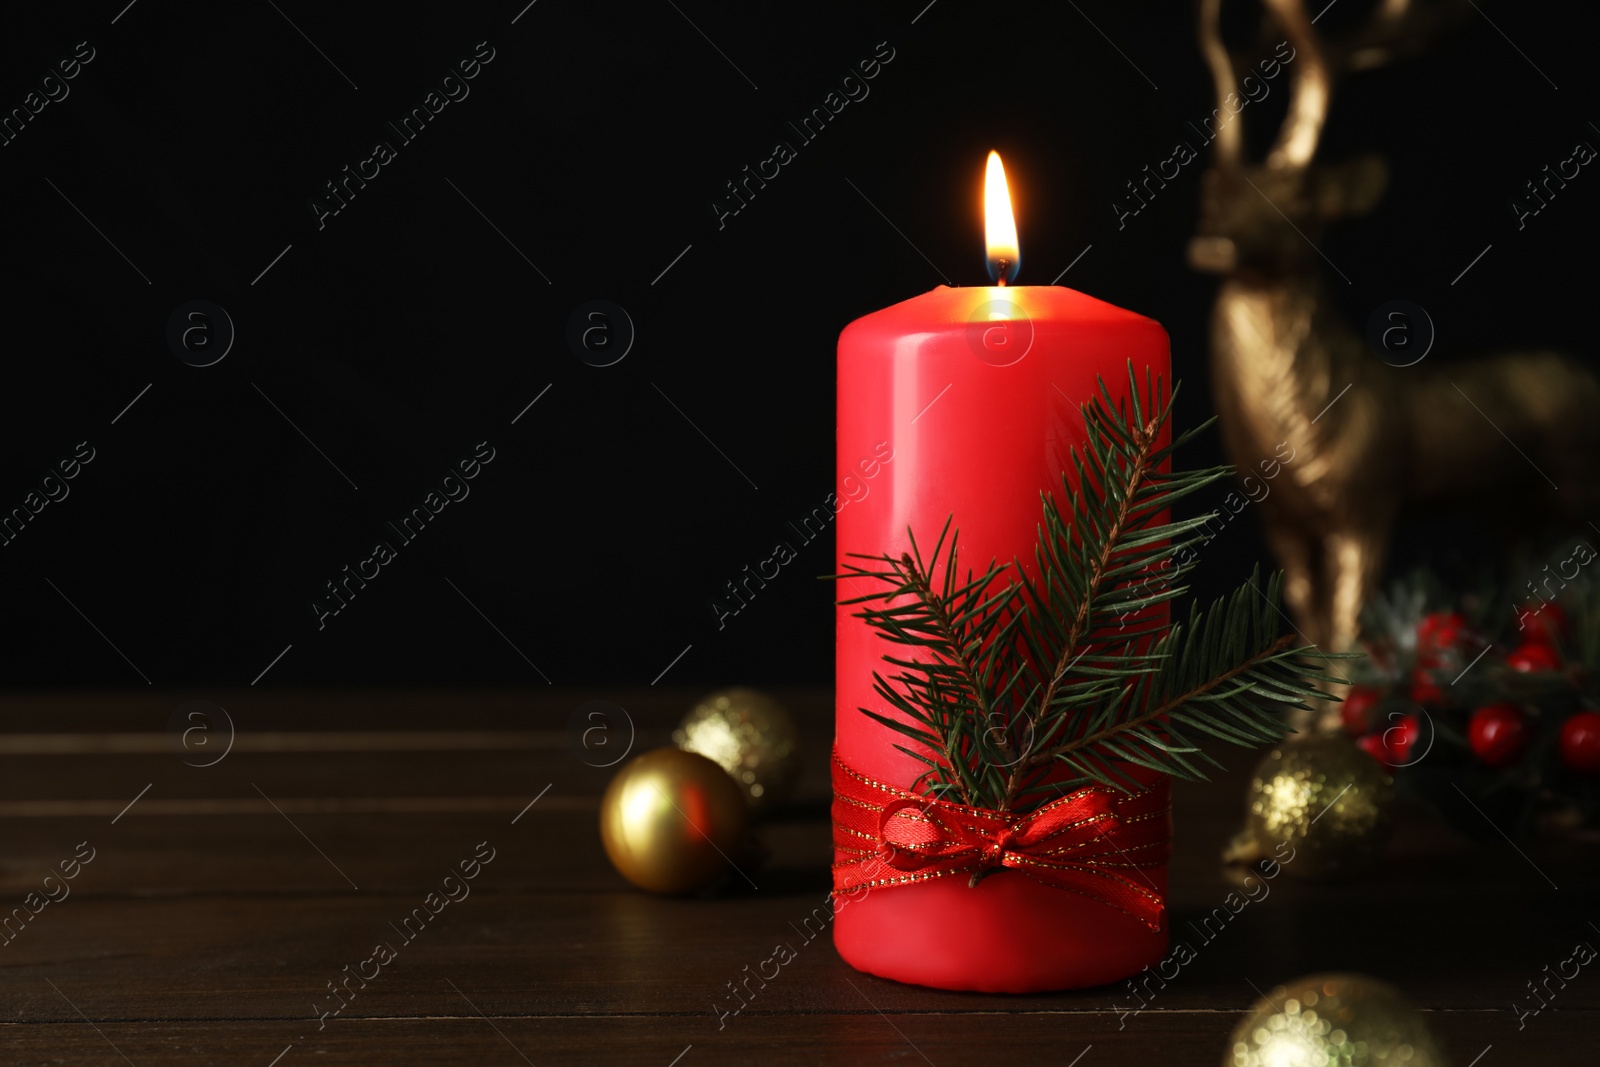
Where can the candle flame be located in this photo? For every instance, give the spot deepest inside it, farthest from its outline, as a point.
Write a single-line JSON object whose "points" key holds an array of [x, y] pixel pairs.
{"points": [[1000, 227]]}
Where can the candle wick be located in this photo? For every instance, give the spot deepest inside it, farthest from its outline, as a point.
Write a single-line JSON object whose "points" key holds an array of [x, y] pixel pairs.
{"points": [[1002, 268]]}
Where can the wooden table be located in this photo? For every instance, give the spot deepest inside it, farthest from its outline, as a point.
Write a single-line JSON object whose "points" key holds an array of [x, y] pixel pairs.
{"points": [[218, 907]]}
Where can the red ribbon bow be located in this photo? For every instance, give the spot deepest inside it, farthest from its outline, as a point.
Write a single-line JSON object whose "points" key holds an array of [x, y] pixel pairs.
{"points": [[1083, 843]]}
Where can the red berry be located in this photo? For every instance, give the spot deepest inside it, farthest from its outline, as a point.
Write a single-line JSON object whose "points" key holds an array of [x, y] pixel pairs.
{"points": [[1580, 742], [1372, 745], [1498, 733], [1392, 747], [1533, 657], [1356, 711], [1399, 739], [1438, 633], [1424, 690], [1543, 624]]}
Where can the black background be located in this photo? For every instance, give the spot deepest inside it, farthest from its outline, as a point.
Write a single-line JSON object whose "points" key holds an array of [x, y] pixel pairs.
{"points": [[408, 329]]}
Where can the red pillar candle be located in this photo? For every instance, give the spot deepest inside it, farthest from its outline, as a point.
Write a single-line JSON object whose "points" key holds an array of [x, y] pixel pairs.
{"points": [[975, 394]]}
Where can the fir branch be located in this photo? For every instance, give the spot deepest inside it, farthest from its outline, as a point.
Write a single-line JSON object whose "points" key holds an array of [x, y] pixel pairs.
{"points": [[955, 625], [1161, 711], [1134, 472], [1229, 671], [1135, 466], [1016, 684]]}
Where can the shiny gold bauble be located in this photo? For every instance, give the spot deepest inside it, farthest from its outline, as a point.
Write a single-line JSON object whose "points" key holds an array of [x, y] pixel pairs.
{"points": [[752, 737], [673, 821], [1333, 1020], [1323, 802]]}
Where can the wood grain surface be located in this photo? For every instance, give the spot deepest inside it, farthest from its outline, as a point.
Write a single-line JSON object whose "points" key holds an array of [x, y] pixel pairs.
{"points": [[221, 904]]}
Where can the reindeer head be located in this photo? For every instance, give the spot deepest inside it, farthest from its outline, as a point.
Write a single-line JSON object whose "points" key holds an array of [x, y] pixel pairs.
{"points": [[1264, 218]]}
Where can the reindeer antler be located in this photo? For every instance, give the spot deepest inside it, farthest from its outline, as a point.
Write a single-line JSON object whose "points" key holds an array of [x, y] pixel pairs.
{"points": [[1396, 28], [1312, 86], [1229, 140]]}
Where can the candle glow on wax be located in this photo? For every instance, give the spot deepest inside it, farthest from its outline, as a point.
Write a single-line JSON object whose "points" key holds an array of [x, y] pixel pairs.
{"points": [[1000, 226]]}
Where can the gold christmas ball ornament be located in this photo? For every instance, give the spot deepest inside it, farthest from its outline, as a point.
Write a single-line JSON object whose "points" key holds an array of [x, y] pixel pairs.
{"points": [[1320, 806], [1334, 1020], [673, 821], [752, 737]]}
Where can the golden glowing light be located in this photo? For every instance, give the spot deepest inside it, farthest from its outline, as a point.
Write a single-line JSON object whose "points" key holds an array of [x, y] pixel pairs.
{"points": [[1000, 227]]}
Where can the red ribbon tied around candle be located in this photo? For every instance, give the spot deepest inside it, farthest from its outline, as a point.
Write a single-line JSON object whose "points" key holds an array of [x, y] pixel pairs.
{"points": [[1093, 841]]}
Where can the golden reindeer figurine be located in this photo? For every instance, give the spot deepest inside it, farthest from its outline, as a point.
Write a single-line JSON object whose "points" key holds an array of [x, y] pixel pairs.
{"points": [[1286, 368]]}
